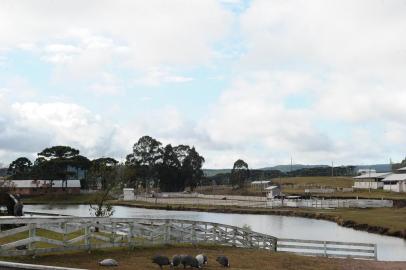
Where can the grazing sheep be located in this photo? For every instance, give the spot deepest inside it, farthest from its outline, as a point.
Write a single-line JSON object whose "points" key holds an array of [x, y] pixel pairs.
{"points": [[176, 259], [189, 261], [108, 262], [202, 259], [223, 261], [161, 260]]}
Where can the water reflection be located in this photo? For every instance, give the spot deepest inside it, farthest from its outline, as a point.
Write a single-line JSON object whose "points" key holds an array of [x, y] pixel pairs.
{"points": [[389, 248]]}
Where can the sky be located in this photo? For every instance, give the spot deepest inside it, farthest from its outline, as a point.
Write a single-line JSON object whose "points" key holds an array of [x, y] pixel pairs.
{"points": [[317, 81]]}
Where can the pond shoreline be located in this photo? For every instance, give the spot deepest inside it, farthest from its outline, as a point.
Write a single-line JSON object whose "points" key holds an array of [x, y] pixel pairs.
{"points": [[256, 211], [279, 212]]}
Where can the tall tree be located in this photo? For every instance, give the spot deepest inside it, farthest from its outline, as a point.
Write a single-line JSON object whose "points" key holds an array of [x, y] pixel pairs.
{"points": [[146, 156], [101, 170], [20, 168], [54, 161], [58, 152], [169, 170], [191, 170], [239, 173]]}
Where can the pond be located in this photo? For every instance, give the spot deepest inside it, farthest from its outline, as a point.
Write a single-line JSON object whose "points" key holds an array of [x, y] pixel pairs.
{"points": [[389, 248]]}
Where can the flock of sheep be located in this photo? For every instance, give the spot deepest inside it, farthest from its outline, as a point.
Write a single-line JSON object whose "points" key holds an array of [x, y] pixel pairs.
{"points": [[187, 260]]}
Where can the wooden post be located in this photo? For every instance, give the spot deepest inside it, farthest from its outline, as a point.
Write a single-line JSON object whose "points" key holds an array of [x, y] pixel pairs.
{"points": [[325, 248], [376, 252], [130, 235], [167, 233], [275, 245], [193, 232], [87, 237], [234, 237], [205, 232], [31, 235], [65, 234]]}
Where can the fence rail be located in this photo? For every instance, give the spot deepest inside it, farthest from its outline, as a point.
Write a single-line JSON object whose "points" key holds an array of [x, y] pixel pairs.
{"points": [[263, 202], [39, 235], [329, 248]]}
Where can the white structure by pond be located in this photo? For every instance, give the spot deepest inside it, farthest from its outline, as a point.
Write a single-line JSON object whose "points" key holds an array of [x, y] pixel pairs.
{"points": [[272, 192], [395, 182], [370, 180]]}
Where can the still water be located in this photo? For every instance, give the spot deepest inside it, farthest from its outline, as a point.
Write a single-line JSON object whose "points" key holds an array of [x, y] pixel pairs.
{"points": [[389, 248]]}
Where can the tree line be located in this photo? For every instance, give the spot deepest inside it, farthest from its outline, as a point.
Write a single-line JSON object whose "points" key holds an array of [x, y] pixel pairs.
{"points": [[149, 165]]}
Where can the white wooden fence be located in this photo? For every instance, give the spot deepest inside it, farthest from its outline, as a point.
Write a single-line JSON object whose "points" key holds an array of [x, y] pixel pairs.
{"points": [[329, 248], [263, 202], [39, 235]]}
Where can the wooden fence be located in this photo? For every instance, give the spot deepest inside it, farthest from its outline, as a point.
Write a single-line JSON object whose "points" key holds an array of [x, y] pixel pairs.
{"points": [[329, 248], [39, 235]]}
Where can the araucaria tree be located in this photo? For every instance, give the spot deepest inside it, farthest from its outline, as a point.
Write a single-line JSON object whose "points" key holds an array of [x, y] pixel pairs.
{"points": [[239, 173], [20, 168], [52, 163]]}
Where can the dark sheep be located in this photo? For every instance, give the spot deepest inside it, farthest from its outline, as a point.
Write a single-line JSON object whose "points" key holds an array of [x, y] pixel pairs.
{"points": [[161, 260], [223, 261], [176, 260], [189, 261]]}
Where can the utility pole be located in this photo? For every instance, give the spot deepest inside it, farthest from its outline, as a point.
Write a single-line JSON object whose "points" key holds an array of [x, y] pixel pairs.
{"points": [[332, 169], [291, 164]]}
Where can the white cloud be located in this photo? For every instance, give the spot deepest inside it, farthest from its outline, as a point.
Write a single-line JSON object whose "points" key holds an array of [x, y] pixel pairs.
{"points": [[150, 33], [157, 76], [108, 85]]}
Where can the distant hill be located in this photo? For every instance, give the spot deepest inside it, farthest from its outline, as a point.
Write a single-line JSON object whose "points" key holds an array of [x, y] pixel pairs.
{"points": [[213, 172], [377, 167], [294, 167]]}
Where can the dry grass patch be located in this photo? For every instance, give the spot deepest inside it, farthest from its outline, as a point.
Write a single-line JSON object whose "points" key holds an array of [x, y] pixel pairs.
{"points": [[248, 259]]}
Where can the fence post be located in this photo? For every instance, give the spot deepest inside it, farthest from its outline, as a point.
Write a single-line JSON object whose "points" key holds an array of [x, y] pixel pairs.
{"points": [[87, 237], [167, 232], [275, 244], [376, 252], [325, 248], [234, 237], [31, 235], [65, 234], [130, 235]]}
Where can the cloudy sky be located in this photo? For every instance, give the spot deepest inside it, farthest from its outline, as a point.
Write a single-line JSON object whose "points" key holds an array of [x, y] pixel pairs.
{"points": [[261, 80]]}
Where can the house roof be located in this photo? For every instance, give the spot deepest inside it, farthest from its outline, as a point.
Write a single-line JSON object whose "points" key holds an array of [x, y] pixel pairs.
{"points": [[271, 187], [395, 177], [260, 182], [372, 175]]}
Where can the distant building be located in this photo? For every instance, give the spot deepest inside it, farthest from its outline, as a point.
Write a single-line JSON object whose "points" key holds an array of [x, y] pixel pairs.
{"points": [[396, 181], [38, 187], [260, 185], [370, 180], [365, 171], [272, 192]]}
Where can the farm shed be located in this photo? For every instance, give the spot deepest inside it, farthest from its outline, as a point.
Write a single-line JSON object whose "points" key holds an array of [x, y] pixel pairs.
{"points": [[370, 180], [395, 182]]}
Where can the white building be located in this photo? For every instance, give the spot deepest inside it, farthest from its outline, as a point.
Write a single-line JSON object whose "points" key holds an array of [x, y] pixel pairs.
{"points": [[365, 170], [260, 185], [272, 192], [370, 180], [128, 194], [395, 182]]}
